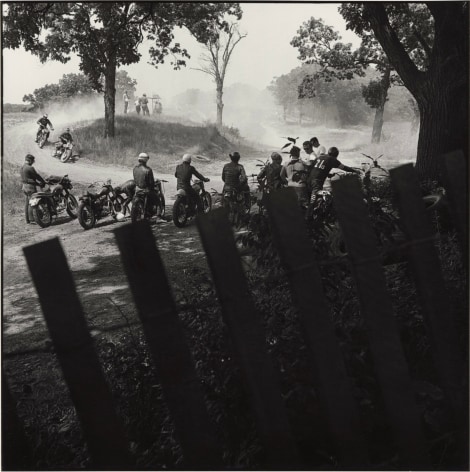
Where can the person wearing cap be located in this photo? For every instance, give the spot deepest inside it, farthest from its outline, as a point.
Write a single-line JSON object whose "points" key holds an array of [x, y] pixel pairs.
{"points": [[295, 172], [145, 180], [30, 180], [272, 173], [318, 149], [144, 104], [234, 176], [43, 122], [183, 173]]}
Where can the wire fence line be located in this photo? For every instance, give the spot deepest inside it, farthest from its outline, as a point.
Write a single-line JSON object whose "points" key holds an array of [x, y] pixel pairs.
{"points": [[160, 323]]}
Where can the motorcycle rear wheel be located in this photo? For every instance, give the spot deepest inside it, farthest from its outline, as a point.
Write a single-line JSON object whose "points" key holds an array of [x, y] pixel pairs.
{"points": [[72, 206], [161, 207], [206, 202], [42, 214], [180, 216], [86, 215], [137, 211]]}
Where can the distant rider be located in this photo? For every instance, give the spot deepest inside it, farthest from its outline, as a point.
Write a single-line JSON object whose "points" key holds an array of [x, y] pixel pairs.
{"points": [[321, 168], [183, 174], [234, 177], [272, 173], [144, 180], [43, 123], [295, 172], [30, 179]]}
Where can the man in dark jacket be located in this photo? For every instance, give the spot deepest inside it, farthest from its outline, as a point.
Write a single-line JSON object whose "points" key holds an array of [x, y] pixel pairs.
{"points": [[272, 173], [144, 179], [234, 177], [30, 180], [43, 122], [183, 174]]}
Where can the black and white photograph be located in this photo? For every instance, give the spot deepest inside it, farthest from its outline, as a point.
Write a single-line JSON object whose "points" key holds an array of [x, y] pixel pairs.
{"points": [[235, 236]]}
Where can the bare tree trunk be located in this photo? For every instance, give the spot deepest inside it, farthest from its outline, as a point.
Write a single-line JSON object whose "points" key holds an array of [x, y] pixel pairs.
{"points": [[109, 98], [378, 123], [220, 104]]}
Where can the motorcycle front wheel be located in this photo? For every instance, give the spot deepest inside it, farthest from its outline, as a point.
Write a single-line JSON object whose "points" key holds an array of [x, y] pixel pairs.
{"points": [[161, 206], [137, 211], [180, 216], [66, 155], [206, 202], [86, 215], [42, 214], [42, 141], [72, 206]]}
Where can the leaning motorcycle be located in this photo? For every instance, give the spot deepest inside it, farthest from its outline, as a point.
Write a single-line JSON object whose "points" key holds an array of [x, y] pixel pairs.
{"points": [[94, 206], [65, 152], [184, 208], [43, 137], [141, 209], [48, 203]]}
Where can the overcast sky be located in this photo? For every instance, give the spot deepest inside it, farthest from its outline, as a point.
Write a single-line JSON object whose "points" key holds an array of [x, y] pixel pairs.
{"points": [[265, 53]]}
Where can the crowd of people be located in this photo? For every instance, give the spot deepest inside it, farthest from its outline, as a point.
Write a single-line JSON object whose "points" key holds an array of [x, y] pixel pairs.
{"points": [[305, 175], [141, 104]]}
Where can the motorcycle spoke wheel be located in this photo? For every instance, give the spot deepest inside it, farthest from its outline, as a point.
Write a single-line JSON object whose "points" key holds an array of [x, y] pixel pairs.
{"points": [[137, 211], [86, 216], [161, 207], [179, 214], [72, 206], [42, 215], [206, 203]]}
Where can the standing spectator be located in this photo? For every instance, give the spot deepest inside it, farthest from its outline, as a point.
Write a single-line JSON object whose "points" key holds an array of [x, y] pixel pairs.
{"points": [[144, 104], [318, 149], [30, 180], [270, 175], [137, 106], [125, 97]]}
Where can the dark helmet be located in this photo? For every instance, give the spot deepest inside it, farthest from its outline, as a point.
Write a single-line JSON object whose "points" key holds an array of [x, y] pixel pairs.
{"points": [[235, 156], [29, 158], [333, 151], [295, 152], [275, 157]]}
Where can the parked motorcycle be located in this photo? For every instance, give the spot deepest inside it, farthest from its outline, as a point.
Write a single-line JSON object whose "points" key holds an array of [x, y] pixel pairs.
{"points": [[65, 152], [94, 206], [141, 209], [48, 203], [238, 204], [184, 209]]}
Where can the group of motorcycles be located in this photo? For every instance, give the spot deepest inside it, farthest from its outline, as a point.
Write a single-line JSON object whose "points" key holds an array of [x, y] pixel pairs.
{"points": [[109, 201], [63, 151]]}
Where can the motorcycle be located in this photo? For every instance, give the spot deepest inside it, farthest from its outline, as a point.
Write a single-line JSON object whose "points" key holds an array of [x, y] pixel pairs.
{"points": [[184, 208], [48, 203], [65, 152], [94, 206], [238, 203], [141, 210], [43, 137]]}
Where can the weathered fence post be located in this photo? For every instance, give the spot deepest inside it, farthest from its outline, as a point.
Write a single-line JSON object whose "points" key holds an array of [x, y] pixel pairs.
{"points": [[455, 173], [16, 451], [164, 334], [332, 382], [248, 338], [430, 285], [77, 356], [389, 359]]}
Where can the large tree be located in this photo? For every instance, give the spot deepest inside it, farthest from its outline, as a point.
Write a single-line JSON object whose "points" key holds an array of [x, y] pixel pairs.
{"points": [[436, 76], [215, 61], [106, 35]]}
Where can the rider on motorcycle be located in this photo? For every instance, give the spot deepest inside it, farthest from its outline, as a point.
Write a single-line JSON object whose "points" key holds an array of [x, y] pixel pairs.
{"points": [[321, 168], [234, 176], [183, 174], [43, 123], [145, 181], [66, 137], [30, 179], [272, 173]]}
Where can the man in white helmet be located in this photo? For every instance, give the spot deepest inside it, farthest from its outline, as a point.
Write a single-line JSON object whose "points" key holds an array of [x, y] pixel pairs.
{"points": [[144, 179], [43, 122], [183, 174]]}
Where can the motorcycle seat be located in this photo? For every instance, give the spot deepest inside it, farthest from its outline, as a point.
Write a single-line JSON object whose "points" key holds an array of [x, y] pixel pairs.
{"points": [[42, 194]]}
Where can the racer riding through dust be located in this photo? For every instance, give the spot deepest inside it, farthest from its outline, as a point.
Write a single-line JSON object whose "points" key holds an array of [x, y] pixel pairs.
{"points": [[43, 123], [183, 174]]}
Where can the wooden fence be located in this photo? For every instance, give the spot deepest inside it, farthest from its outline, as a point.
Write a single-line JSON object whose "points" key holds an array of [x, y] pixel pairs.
{"points": [[173, 361]]}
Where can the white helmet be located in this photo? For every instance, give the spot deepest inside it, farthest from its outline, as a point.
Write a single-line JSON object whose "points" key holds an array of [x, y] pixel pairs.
{"points": [[143, 157], [45, 115], [187, 158]]}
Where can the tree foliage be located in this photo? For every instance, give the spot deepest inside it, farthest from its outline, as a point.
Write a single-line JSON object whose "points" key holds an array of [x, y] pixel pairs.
{"points": [[125, 83], [106, 35]]}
